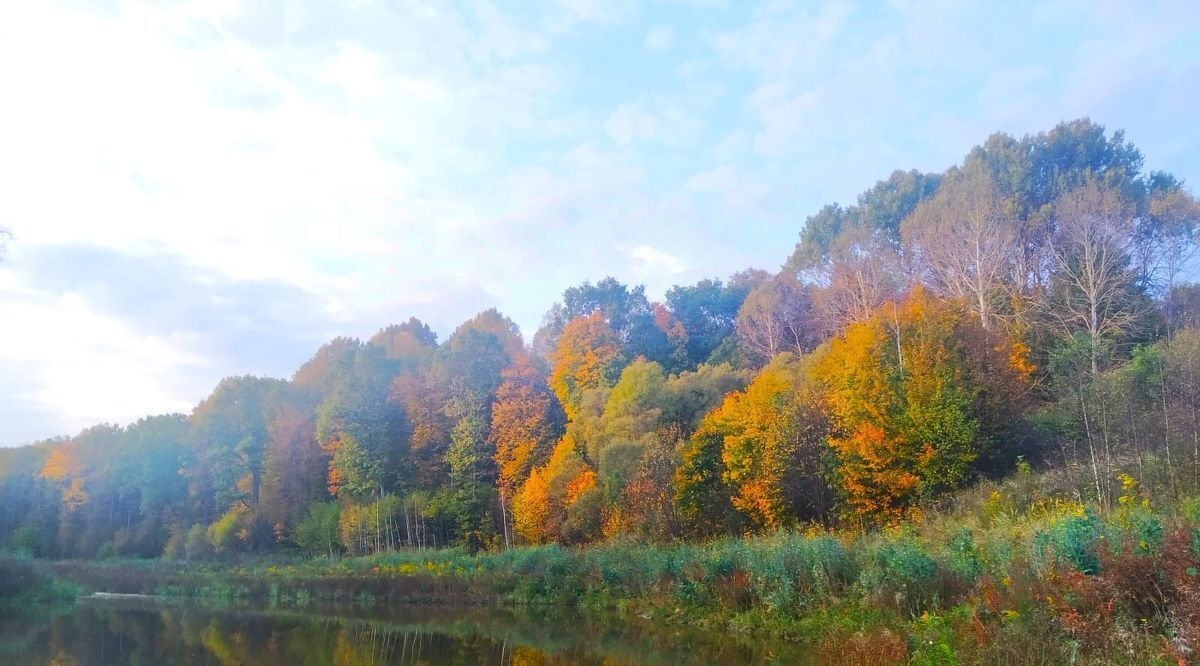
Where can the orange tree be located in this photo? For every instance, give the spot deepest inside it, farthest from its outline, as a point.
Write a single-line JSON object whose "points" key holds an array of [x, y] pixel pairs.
{"points": [[548, 505], [587, 355], [915, 394], [758, 453]]}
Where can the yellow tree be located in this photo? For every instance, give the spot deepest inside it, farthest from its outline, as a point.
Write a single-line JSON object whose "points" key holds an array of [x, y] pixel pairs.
{"points": [[541, 508], [522, 428], [758, 452], [586, 356], [916, 392], [63, 464]]}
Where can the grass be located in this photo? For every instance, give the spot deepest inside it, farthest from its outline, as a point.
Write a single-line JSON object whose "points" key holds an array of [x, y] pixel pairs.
{"points": [[26, 582], [1015, 572]]}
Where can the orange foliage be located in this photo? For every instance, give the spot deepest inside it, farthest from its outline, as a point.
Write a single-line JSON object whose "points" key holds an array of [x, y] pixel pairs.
{"points": [[63, 462], [334, 479], [531, 506], [915, 393], [75, 496], [764, 431], [877, 483], [585, 481], [585, 357], [666, 322], [540, 506], [520, 423]]}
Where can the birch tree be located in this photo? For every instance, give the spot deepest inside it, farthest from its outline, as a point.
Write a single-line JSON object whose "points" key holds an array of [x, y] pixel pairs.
{"points": [[1093, 286], [965, 243]]}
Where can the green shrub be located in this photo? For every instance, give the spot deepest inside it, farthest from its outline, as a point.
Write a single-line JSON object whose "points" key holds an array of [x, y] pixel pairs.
{"points": [[317, 531], [1075, 539], [29, 541], [196, 544], [176, 546], [900, 574], [24, 580], [1189, 510], [962, 559]]}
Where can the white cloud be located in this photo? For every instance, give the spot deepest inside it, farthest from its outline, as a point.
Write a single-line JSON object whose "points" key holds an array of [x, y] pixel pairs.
{"points": [[87, 368], [660, 38], [657, 120], [381, 160], [652, 261]]}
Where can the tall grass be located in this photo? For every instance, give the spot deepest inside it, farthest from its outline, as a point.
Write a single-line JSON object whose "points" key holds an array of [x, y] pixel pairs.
{"points": [[1004, 570], [25, 581]]}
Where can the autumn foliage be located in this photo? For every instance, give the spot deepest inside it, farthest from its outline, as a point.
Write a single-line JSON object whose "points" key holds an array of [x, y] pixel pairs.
{"points": [[1026, 302], [522, 429], [907, 393], [586, 356]]}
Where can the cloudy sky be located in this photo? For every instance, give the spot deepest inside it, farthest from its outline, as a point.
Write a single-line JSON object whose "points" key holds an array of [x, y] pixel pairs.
{"points": [[216, 187]]}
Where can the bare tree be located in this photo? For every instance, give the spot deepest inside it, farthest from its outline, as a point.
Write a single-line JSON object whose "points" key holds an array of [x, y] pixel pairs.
{"points": [[1168, 243], [965, 244], [777, 317], [1091, 248], [863, 272]]}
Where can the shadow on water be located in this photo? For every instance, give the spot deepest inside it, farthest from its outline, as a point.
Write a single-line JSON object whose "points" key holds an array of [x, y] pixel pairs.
{"points": [[149, 631]]}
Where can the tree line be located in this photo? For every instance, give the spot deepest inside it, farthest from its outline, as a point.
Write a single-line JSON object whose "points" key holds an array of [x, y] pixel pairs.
{"points": [[1029, 303]]}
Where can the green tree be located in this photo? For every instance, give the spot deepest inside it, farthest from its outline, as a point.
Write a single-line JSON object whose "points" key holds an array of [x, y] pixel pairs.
{"points": [[317, 531]]}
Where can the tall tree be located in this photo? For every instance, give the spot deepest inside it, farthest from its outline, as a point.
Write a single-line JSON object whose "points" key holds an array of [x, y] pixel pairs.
{"points": [[1168, 239], [877, 214], [1094, 285], [587, 355], [911, 393], [777, 316], [360, 429], [230, 429], [410, 344], [294, 470], [523, 429], [759, 452], [707, 311], [966, 242]]}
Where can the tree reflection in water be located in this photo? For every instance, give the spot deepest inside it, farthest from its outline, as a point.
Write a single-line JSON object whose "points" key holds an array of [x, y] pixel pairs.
{"points": [[145, 632]]}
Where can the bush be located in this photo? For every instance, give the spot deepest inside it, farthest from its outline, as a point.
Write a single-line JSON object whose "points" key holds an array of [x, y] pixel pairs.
{"points": [[29, 541], [1074, 539], [24, 581], [901, 575], [196, 543], [317, 531], [961, 557], [223, 534], [176, 546]]}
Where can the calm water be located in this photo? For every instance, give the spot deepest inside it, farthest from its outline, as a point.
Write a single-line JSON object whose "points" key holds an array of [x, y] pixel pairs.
{"points": [[151, 632]]}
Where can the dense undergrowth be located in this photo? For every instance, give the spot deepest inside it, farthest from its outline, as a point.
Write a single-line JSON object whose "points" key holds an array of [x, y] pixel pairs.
{"points": [[1017, 572], [25, 582]]}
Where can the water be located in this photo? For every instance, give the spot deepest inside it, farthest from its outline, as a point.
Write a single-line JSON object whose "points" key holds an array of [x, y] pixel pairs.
{"points": [[155, 632]]}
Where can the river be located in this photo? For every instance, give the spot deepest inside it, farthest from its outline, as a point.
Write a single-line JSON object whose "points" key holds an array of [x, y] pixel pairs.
{"points": [[148, 631]]}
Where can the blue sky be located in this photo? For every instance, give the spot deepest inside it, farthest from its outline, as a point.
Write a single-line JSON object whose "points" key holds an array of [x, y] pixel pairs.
{"points": [[217, 187]]}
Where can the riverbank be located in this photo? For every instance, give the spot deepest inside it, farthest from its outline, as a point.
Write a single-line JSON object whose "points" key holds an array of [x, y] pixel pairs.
{"points": [[26, 582], [1012, 573]]}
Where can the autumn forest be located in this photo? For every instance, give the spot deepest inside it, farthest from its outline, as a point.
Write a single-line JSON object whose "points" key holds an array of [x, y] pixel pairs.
{"points": [[1027, 308]]}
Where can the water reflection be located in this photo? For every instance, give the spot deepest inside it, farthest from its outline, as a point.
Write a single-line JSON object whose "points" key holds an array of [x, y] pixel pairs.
{"points": [[152, 632]]}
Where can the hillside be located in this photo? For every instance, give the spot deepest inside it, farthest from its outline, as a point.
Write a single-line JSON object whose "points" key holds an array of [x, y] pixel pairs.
{"points": [[1027, 313]]}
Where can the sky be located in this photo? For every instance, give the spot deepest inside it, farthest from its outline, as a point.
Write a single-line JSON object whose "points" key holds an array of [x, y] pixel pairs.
{"points": [[211, 188]]}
